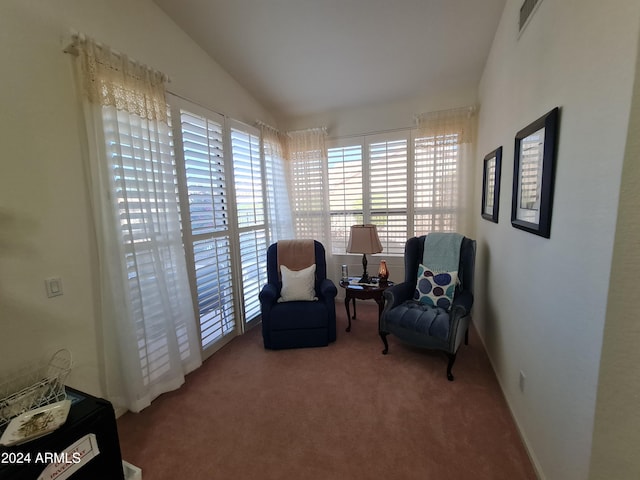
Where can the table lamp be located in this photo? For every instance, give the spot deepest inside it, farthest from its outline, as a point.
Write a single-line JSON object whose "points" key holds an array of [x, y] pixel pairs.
{"points": [[364, 239]]}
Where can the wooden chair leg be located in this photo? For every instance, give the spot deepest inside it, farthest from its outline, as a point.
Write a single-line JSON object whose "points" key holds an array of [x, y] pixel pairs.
{"points": [[383, 336], [452, 359]]}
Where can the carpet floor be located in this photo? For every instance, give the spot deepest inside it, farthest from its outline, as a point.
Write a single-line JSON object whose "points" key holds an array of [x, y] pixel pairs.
{"points": [[340, 412]]}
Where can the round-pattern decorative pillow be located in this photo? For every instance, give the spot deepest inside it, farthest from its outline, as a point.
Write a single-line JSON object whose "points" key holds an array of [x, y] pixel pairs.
{"points": [[435, 288]]}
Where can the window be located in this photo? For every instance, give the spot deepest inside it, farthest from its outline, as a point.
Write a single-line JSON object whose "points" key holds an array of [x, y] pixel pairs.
{"points": [[144, 183], [388, 157], [345, 193], [251, 215], [435, 183], [405, 185], [206, 223], [279, 222], [309, 187], [231, 193]]}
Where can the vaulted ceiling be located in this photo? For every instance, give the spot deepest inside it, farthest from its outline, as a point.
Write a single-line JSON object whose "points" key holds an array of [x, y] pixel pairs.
{"points": [[299, 57]]}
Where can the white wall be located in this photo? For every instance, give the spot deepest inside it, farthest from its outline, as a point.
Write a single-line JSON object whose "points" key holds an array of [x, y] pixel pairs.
{"points": [[45, 225], [381, 117], [541, 303], [616, 433]]}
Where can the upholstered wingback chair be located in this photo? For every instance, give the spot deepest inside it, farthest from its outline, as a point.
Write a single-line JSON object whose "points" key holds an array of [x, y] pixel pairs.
{"points": [[297, 323], [422, 322]]}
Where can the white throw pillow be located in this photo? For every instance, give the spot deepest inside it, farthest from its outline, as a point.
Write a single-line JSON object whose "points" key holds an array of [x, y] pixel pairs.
{"points": [[298, 284]]}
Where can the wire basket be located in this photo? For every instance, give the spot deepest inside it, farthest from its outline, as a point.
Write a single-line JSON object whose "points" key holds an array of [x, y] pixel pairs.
{"points": [[34, 386]]}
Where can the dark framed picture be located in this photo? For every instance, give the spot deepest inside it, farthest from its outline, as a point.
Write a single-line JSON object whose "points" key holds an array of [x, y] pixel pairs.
{"points": [[491, 185], [533, 175]]}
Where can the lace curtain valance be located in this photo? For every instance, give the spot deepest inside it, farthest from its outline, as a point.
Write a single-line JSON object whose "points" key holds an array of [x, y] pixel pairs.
{"points": [[444, 122], [307, 144], [112, 79]]}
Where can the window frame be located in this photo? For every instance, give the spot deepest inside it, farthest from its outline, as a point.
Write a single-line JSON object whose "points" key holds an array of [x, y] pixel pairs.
{"points": [[397, 205], [189, 239], [240, 274], [340, 239], [410, 211], [250, 278]]}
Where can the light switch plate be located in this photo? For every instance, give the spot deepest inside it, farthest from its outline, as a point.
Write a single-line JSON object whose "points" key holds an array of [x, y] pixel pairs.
{"points": [[53, 286]]}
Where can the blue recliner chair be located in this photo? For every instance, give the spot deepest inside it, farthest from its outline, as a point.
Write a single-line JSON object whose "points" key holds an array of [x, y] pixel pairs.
{"points": [[419, 323], [297, 324]]}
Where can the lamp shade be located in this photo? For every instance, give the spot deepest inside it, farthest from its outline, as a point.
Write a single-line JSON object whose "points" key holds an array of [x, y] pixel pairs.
{"points": [[364, 239]]}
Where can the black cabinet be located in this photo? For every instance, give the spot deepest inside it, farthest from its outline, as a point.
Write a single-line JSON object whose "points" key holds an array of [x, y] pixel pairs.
{"points": [[88, 415]]}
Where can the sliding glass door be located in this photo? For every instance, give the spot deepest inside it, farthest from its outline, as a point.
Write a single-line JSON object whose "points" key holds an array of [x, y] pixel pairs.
{"points": [[206, 221], [251, 215], [222, 197]]}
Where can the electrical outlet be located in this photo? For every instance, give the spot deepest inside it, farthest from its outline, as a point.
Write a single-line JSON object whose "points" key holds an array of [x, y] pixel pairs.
{"points": [[521, 380]]}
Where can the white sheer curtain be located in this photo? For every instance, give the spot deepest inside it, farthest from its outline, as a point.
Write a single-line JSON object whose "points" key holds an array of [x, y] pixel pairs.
{"points": [[279, 208], [309, 190], [445, 145], [149, 329]]}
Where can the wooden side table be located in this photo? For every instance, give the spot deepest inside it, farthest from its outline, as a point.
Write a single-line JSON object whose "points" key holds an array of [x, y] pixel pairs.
{"points": [[363, 292]]}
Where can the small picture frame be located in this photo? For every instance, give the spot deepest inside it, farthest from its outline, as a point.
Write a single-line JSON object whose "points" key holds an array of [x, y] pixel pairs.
{"points": [[491, 185], [533, 175]]}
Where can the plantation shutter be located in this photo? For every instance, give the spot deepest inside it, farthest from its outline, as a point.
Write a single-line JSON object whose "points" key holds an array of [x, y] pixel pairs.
{"points": [[345, 192], [436, 183], [388, 156], [251, 215], [207, 229], [308, 187]]}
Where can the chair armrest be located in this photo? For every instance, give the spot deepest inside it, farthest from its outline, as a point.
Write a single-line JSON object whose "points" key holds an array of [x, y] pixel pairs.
{"points": [[268, 295], [462, 303], [328, 290], [460, 318], [397, 294]]}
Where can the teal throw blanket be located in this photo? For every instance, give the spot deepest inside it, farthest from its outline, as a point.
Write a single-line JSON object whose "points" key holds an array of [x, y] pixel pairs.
{"points": [[442, 251]]}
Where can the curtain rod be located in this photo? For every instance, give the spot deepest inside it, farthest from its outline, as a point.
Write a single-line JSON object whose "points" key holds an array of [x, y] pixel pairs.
{"points": [[308, 130], [373, 132], [261, 124], [469, 110], [70, 46]]}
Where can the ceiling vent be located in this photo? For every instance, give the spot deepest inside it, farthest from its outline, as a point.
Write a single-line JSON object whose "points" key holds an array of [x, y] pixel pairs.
{"points": [[526, 12]]}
